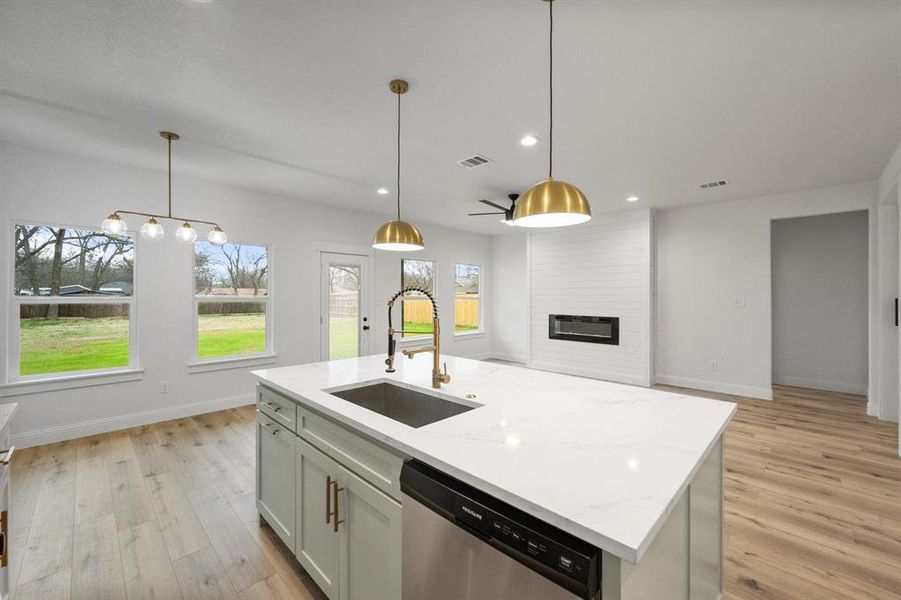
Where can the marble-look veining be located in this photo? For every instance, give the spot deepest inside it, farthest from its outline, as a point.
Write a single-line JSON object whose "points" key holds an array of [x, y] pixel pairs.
{"points": [[604, 461]]}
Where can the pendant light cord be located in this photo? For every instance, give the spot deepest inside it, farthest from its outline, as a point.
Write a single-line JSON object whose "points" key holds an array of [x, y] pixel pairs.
{"points": [[550, 166], [398, 157], [170, 177]]}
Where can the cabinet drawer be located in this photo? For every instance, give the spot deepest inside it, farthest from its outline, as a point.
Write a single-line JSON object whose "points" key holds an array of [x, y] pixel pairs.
{"points": [[275, 406], [371, 461]]}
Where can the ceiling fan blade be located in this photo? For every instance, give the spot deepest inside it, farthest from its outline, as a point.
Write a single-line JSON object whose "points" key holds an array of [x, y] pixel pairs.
{"points": [[490, 203], [482, 214]]}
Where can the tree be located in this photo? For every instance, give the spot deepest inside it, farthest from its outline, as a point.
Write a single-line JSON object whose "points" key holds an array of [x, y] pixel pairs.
{"points": [[257, 267], [56, 271], [418, 273], [204, 272]]}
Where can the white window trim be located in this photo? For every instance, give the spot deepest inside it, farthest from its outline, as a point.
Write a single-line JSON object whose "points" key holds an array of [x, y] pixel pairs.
{"points": [[404, 340], [480, 331], [235, 361], [65, 379]]}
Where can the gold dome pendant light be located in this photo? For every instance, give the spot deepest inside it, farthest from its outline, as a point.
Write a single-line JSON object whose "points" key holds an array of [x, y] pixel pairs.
{"points": [[551, 203], [398, 235]]}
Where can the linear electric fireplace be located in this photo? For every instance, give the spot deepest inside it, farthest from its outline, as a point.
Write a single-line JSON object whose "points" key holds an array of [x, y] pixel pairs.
{"points": [[578, 328]]}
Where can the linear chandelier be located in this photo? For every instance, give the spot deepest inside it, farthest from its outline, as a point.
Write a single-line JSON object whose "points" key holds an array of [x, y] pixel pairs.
{"points": [[152, 230]]}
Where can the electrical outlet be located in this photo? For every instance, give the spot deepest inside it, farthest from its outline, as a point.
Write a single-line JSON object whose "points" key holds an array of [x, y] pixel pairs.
{"points": [[738, 302], [164, 387], [714, 366]]}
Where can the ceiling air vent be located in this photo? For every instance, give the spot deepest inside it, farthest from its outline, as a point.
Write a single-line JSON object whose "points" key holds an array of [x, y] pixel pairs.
{"points": [[714, 184], [474, 161]]}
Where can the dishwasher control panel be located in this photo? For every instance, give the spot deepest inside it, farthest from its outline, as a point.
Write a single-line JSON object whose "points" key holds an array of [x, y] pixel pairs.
{"points": [[520, 538]]}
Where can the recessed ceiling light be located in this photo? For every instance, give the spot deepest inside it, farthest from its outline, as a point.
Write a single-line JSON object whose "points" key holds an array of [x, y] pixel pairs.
{"points": [[528, 140], [382, 191], [632, 199]]}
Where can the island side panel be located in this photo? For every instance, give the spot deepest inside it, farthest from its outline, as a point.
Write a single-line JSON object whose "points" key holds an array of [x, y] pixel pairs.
{"points": [[684, 562], [706, 528]]}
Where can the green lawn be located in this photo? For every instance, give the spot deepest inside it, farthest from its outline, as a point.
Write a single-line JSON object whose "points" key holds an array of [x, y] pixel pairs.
{"points": [[72, 344], [343, 341], [231, 335], [78, 344], [426, 328]]}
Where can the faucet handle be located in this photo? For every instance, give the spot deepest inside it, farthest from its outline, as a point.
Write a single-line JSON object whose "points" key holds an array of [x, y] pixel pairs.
{"points": [[445, 368]]}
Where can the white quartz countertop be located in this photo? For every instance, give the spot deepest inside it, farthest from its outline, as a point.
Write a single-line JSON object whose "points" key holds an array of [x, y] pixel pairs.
{"points": [[603, 461]]}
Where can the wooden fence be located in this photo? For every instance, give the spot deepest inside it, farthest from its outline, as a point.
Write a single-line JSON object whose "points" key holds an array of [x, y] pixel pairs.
{"points": [[466, 311], [230, 308], [86, 311], [344, 305]]}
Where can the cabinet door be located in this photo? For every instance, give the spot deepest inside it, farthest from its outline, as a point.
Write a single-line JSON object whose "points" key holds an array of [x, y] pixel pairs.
{"points": [[317, 542], [275, 477], [370, 547]]}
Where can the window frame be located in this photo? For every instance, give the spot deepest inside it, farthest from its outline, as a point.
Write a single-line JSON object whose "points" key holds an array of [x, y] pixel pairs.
{"points": [[425, 336], [480, 330], [13, 376], [200, 365]]}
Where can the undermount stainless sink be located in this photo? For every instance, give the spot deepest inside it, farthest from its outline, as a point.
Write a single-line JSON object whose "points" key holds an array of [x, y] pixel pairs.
{"points": [[402, 404]]}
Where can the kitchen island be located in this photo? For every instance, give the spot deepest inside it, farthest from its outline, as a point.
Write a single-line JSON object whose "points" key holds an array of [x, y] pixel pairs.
{"points": [[634, 472]]}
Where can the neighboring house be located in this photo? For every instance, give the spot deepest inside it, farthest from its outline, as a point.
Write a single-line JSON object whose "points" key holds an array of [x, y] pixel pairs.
{"points": [[113, 289]]}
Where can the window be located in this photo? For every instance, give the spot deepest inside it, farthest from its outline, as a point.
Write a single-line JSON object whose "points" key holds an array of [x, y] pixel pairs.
{"points": [[231, 293], [416, 308], [73, 301], [467, 305]]}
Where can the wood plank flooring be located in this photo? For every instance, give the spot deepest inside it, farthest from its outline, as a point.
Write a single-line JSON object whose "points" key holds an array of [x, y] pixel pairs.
{"points": [[166, 511], [812, 499]]}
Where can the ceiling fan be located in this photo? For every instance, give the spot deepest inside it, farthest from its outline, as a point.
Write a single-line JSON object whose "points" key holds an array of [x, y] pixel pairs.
{"points": [[507, 212]]}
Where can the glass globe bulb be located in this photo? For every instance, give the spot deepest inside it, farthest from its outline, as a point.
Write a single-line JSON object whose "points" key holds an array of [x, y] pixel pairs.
{"points": [[186, 234], [152, 230], [114, 225], [216, 236]]}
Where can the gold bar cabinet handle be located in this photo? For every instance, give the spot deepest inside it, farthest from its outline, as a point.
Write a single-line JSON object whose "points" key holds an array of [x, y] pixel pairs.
{"points": [[7, 455], [328, 498], [338, 489]]}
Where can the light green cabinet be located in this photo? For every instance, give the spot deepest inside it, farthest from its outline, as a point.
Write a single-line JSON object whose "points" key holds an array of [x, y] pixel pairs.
{"points": [[370, 541], [332, 495], [275, 491], [362, 558], [317, 542]]}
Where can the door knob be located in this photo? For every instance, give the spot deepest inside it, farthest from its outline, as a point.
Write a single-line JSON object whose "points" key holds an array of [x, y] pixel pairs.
{"points": [[365, 327]]}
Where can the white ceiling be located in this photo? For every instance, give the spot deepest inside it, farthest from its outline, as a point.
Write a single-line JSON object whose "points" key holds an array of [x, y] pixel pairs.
{"points": [[653, 97]]}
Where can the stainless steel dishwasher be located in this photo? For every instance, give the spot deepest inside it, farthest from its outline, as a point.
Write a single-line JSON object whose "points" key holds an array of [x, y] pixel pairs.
{"points": [[462, 544]]}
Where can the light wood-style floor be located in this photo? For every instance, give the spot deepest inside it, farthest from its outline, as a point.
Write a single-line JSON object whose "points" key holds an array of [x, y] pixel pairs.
{"points": [[813, 510]]}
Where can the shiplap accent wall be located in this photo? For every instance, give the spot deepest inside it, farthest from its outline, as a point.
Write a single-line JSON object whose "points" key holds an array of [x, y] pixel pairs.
{"points": [[603, 268]]}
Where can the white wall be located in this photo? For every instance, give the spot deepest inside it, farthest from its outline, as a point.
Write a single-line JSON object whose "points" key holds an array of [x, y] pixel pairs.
{"points": [[887, 239], [41, 186], [603, 268], [510, 296], [820, 304], [713, 257]]}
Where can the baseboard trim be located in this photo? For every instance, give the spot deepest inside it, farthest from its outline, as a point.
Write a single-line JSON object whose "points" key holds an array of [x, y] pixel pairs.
{"points": [[59, 433], [612, 376], [517, 358], [819, 384], [716, 386]]}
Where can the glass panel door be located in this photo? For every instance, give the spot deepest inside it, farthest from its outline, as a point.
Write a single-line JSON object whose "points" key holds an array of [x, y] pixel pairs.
{"points": [[344, 318]]}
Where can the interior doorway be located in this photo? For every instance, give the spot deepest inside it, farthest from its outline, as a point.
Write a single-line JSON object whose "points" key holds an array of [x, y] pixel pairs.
{"points": [[820, 302], [345, 324]]}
